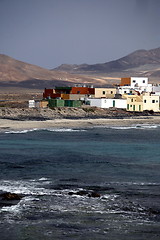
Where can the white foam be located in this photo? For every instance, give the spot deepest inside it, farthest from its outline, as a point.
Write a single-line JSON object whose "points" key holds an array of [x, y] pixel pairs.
{"points": [[137, 126], [22, 131], [145, 126], [137, 183], [124, 127], [43, 179], [109, 197], [44, 129], [13, 209], [24, 187], [64, 130]]}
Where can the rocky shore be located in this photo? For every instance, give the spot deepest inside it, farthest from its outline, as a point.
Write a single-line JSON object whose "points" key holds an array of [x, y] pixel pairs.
{"points": [[24, 119], [41, 114]]}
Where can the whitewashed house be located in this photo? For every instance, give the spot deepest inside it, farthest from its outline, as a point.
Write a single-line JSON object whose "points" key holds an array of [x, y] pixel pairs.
{"points": [[139, 84], [107, 103], [33, 104], [156, 89]]}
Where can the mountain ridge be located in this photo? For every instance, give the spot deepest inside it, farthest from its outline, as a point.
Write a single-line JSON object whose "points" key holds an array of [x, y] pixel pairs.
{"points": [[15, 73], [20, 74], [135, 59]]}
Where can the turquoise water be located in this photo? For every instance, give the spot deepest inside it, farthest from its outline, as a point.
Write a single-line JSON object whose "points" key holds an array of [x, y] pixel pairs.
{"points": [[121, 164]]}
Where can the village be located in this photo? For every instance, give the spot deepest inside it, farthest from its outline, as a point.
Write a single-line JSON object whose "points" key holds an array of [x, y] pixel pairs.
{"points": [[134, 94]]}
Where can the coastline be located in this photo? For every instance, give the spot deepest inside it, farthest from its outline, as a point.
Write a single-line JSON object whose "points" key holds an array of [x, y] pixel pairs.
{"points": [[7, 124]]}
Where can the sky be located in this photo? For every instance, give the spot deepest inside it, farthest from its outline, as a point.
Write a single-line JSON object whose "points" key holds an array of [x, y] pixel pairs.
{"points": [[49, 33]]}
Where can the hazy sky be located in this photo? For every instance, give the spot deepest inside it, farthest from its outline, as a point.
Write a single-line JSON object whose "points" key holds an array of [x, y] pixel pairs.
{"points": [[51, 32]]}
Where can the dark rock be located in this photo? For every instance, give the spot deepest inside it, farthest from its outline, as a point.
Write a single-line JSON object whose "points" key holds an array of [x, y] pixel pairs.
{"points": [[9, 199], [153, 211], [10, 196], [71, 193], [82, 193], [94, 195]]}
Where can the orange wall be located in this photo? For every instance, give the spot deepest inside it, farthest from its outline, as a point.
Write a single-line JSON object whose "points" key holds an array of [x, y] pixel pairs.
{"points": [[82, 90], [125, 81]]}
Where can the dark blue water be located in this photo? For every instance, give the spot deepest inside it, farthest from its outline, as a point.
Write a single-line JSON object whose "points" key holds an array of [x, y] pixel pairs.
{"points": [[45, 166]]}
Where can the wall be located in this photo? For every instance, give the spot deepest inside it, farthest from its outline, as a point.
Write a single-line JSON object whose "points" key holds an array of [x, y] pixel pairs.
{"points": [[151, 103], [82, 90], [43, 104], [156, 88], [63, 90], [32, 104], [125, 90], [48, 93], [139, 81], [134, 103], [95, 102], [79, 96], [125, 81], [108, 103], [105, 92]]}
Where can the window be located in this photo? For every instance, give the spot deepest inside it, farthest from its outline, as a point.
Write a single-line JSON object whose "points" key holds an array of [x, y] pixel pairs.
{"points": [[139, 107], [111, 92], [134, 81], [153, 101], [145, 101], [131, 99], [124, 91], [144, 81], [128, 106], [104, 92], [78, 92]]}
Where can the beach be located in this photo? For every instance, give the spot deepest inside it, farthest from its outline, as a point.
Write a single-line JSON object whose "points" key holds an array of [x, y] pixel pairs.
{"points": [[7, 124]]}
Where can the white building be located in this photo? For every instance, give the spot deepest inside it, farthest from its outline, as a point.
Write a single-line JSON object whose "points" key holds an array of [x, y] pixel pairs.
{"points": [[139, 84], [108, 103], [156, 89], [33, 104], [125, 90]]}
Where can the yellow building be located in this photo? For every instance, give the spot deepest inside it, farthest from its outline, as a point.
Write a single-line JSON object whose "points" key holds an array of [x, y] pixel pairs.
{"points": [[151, 102], [134, 103], [105, 92], [143, 102], [43, 104]]}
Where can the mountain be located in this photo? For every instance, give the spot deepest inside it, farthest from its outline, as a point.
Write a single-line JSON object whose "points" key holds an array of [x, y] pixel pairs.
{"points": [[18, 74], [140, 62], [14, 73]]}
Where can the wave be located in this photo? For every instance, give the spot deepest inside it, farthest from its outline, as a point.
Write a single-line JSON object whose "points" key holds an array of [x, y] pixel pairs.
{"points": [[136, 183], [136, 126], [39, 198], [44, 129], [22, 131], [65, 130]]}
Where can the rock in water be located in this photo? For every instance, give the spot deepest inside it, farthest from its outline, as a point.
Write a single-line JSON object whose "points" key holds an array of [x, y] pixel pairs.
{"points": [[94, 195], [10, 196]]}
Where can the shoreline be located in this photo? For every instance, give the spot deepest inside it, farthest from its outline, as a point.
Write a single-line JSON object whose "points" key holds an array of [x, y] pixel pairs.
{"points": [[7, 124]]}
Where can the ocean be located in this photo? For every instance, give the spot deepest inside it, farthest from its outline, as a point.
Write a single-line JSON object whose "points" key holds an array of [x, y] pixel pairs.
{"points": [[57, 170]]}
